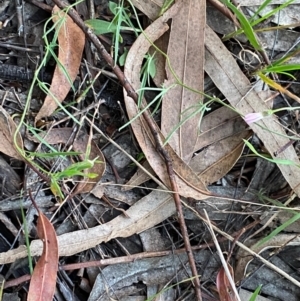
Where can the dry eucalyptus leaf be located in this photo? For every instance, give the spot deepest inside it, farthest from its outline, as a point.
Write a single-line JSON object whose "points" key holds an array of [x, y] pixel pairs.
{"points": [[71, 41], [186, 55], [43, 280], [7, 132]]}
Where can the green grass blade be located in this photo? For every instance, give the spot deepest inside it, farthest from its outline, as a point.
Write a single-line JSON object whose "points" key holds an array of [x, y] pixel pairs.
{"points": [[262, 6], [248, 29], [255, 294], [272, 12], [282, 68], [279, 229], [257, 21], [53, 155]]}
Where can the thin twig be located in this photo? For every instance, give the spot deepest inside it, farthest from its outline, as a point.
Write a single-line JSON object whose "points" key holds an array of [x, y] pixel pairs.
{"points": [[131, 93]]}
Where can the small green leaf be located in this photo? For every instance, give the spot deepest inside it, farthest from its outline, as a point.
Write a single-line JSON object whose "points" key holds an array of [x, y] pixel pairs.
{"points": [[101, 26], [92, 175], [56, 189], [152, 68], [122, 58], [113, 7]]}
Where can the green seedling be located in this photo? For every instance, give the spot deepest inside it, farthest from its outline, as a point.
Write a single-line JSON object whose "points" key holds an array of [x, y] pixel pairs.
{"points": [[75, 169], [154, 297], [121, 16], [280, 69], [52, 155], [255, 293], [103, 27], [140, 157], [123, 56]]}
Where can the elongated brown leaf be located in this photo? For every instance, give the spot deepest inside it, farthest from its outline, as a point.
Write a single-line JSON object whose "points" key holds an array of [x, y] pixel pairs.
{"points": [[43, 280], [186, 55], [230, 80], [7, 131], [80, 144], [189, 184], [71, 43], [223, 285]]}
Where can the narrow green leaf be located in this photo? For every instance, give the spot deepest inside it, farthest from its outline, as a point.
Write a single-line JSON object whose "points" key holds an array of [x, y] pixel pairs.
{"points": [[261, 7], [152, 68], [272, 12], [101, 26], [257, 21], [248, 30], [165, 7], [279, 229], [122, 58], [55, 188], [53, 155], [91, 175], [255, 294], [113, 7], [276, 161], [282, 68]]}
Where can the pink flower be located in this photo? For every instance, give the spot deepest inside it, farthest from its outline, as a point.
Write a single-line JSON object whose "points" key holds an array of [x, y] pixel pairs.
{"points": [[253, 117]]}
